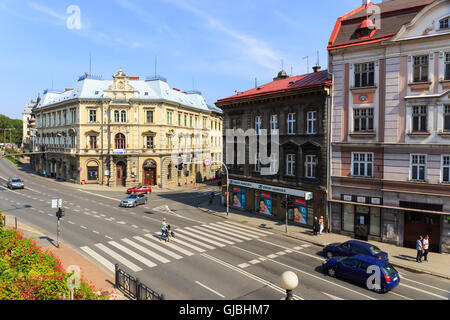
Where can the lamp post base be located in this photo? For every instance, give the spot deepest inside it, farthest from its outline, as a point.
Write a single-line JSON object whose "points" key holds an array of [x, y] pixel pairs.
{"points": [[288, 295]]}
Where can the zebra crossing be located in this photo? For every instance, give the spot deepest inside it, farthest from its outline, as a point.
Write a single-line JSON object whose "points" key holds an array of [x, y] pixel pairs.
{"points": [[149, 251]]}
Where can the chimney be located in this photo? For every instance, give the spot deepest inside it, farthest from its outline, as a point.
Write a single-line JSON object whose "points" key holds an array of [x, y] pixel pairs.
{"points": [[365, 2], [316, 68]]}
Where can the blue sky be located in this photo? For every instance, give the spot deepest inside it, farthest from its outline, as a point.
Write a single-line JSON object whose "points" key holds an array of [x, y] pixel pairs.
{"points": [[216, 47]]}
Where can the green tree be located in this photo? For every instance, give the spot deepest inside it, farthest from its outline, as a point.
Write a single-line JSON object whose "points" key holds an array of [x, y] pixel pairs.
{"points": [[15, 135]]}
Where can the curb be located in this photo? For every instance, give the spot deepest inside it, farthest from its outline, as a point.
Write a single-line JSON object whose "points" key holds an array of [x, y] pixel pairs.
{"points": [[406, 267]]}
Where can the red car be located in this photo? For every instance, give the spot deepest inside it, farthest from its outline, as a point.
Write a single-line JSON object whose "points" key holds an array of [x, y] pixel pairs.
{"points": [[141, 189]]}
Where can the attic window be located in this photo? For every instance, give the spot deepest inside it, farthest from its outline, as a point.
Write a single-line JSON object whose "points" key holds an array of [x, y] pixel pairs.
{"points": [[366, 29], [443, 24], [96, 92], [146, 94]]}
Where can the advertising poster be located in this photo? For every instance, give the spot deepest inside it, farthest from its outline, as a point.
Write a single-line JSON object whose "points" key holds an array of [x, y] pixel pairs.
{"points": [[265, 203], [300, 211], [238, 198]]}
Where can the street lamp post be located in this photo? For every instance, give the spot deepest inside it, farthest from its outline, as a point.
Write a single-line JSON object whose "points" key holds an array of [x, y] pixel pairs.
{"points": [[228, 193], [289, 281]]}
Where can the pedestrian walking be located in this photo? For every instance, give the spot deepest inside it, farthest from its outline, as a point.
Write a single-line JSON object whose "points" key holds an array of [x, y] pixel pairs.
{"points": [[164, 231], [320, 224], [425, 245], [315, 226], [419, 248]]}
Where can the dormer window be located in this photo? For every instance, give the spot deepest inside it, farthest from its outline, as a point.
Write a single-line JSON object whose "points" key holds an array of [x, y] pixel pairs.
{"points": [[443, 24], [366, 29]]}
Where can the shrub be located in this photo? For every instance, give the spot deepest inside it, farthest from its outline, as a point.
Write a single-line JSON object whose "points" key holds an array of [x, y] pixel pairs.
{"points": [[29, 273]]}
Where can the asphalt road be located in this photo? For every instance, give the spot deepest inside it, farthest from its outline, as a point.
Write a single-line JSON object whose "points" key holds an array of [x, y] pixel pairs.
{"points": [[210, 258]]}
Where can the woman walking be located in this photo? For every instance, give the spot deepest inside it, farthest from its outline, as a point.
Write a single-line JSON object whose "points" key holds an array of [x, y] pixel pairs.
{"points": [[425, 244], [321, 224]]}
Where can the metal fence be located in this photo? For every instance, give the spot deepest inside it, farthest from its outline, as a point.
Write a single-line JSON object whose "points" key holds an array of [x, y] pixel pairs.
{"points": [[132, 287]]}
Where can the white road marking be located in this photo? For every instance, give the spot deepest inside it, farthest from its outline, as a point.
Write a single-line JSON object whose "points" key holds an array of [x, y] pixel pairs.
{"points": [[71, 222], [281, 253], [254, 261], [170, 245], [204, 234], [243, 265], [83, 227], [223, 230], [331, 296], [99, 195], [146, 251], [306, 254], [184, 243], [119, 258], [249, 275], [272, 256], [159, 248], [396, 294], [204, 245], [207, 231], [200, 237], [423, 284], [95, 232], [133, 254], [99, 258], [108, 237], [247, 232], [201, 284], [247, 227], [423, 291]]}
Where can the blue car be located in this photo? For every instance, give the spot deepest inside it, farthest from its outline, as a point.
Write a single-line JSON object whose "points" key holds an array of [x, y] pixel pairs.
{"points": [[355, 268], [352, 248]]}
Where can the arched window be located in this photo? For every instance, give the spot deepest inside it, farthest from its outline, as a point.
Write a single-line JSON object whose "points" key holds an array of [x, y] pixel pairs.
{"points": [[119, 141], [123, 116], [116, 116]]}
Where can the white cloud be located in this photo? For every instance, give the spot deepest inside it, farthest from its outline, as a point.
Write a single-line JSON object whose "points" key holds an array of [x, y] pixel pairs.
{"points": [[252, 49], [47, 11]]}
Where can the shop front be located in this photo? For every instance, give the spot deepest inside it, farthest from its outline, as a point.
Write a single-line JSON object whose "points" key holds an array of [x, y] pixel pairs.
{"points": [[267, 200]]}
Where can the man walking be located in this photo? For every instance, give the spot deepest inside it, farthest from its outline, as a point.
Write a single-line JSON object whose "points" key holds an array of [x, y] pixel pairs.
{"points": [[419, 248], [315, 226]]}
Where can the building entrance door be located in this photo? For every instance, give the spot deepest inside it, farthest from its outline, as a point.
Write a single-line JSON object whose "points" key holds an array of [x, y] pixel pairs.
{"points": [[362, 223], [149, 169], [421, 224], [121, 173]]}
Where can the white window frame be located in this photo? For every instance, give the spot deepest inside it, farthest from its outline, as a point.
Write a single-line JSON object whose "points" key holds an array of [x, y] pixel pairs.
{"points": [[94, 113], [445, 165], [73, 117], [446, 114], [444, 23], [411, 166], [364, 161], [273, 163], [291, 123], [310, 166], [311, 122], [273, 123], [419, 115], [258, 123], [257, 167], [290, 164]]}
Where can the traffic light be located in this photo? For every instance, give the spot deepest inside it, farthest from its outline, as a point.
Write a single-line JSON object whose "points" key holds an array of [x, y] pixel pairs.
{"points": [[60, 213], [284, 203]]}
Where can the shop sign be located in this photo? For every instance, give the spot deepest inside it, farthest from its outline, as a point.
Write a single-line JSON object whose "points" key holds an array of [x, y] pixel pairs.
{"points": [[347, 197], [361, 199], [263, 187], [119, 151], [376, 200]]}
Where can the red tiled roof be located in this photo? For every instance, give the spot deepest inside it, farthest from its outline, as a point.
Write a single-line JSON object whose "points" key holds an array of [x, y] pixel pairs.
{"points": [[394, 14], [291, 83]]}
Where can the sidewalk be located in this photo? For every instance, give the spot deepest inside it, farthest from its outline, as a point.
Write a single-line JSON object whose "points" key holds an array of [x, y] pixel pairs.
{"points": [[90, 272], [438, 265]]}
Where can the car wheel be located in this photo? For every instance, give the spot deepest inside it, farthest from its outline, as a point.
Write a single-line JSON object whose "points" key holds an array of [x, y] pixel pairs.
{"points": [[329, 254], [331, 272], [380, 291]]}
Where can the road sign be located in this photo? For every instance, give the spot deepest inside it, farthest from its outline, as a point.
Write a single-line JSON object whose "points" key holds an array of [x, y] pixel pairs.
{"points": [[207, 162], [56, 203]]}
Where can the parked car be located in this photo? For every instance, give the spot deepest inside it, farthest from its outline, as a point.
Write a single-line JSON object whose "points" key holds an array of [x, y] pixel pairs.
{"points": [[15, 183], [355, 269], [140, 189], [354, 247], [133, 200]]}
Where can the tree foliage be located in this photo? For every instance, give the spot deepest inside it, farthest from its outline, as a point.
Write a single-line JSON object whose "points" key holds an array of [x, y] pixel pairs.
{"points": [[15, 134]]}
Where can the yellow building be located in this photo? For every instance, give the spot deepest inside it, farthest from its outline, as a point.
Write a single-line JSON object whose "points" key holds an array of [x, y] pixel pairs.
{"points": [[126, 131]]}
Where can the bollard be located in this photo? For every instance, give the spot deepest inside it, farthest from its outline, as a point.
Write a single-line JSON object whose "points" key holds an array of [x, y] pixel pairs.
{"points": [[15, 222]]}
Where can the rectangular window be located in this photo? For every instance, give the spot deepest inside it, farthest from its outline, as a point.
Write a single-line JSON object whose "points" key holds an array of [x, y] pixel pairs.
{"points": [[418, 165], [419, 118], [179, 119], [444, 24], [364, 75], [196, 122], [363, 120], [348, 217], [273, 164], [92, 115], [185, 120], [375, 221], [445, 169], [311, 122], [59, 118], [362, 164], [310, 166], [149, 116], [290, 164], [169, 117], [73, 117], [93, 142], [65, 117], [273, 123], [257, 163], [420, 69], [190, 121], [291, 123], [258, 121], [149, 142], [204, 123], [53, 119], [447, 118]]}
